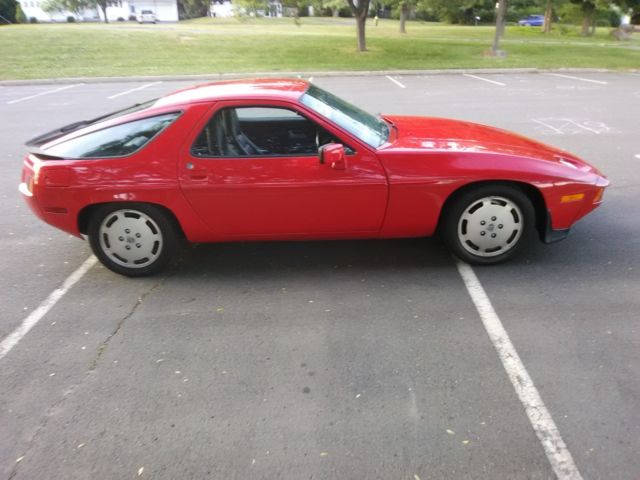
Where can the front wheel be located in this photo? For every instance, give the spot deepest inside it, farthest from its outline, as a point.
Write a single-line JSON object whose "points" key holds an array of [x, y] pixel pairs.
{"points": [[133, 240], [488, 224]]}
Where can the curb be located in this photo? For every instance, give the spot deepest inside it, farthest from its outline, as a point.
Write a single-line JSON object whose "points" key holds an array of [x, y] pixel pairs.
{"points": [[356, 73]]}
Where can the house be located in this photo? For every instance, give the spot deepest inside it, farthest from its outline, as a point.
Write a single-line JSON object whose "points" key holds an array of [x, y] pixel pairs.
{"points": [[224, 8], [165, 11]]}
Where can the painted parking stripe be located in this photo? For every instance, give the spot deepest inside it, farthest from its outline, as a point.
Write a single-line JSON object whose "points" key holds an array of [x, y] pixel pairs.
{"points": [[571, 77], [546, 430], [550, 127], [34, 317], [131, 90], [66, 87], [395, 81], [484, 79]]}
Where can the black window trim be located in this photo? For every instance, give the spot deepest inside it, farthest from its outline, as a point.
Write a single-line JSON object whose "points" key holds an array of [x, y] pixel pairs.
{"points": [[140, 148], [350, 151]]}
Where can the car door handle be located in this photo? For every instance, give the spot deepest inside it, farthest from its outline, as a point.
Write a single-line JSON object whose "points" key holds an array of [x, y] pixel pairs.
{"points": [[196, 173]]}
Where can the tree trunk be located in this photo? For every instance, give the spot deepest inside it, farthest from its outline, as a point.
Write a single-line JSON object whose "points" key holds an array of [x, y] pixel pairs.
{"points": [[360, 9], [548, 17], [403, 17], [502, 7], [361, 21], [586, 24], [335, 12]]}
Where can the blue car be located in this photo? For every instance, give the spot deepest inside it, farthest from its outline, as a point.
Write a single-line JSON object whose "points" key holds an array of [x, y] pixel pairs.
{"points": [[532, 21]]}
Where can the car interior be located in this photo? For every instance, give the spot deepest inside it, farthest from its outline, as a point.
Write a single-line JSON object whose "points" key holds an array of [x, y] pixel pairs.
{"points": [[260, 131]]}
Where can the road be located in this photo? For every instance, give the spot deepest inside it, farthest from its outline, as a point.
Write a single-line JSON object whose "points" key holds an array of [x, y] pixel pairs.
{"points": [[345, 360]]}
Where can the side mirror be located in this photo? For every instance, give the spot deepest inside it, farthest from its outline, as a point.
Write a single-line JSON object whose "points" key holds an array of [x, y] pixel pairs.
{"points": [[333, 154]]}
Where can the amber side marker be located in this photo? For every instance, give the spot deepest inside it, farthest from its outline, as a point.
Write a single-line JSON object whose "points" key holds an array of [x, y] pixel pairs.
{"points": [[576, 197]]}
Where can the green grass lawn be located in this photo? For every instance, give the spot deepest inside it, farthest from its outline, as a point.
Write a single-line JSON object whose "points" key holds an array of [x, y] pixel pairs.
{"points": [[206, 46]]}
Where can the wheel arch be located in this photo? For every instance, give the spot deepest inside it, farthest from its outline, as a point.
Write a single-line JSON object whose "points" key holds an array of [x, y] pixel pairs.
{"points": [[84, 216], [532, 193]]}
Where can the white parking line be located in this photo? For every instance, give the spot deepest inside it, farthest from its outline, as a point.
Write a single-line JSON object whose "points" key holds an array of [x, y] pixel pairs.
{"points": [[126, 92], [540, 418], [571, 77], [395, 81], [66, 87], [34, 317], [484, 79], [557, 130]]}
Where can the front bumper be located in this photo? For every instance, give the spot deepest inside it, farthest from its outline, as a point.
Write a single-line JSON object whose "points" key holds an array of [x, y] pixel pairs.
{"points": [[550, 235]]}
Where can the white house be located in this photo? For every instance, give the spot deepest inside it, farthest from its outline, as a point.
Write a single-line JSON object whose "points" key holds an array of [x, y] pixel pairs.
{"points": [[224, 8], [165, 11]]}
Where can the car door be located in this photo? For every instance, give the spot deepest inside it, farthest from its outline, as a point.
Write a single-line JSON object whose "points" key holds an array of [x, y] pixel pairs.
{"points": [[251, 169]]}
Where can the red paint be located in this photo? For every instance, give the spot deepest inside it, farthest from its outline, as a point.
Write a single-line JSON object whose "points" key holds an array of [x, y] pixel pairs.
{"points": [[397, 190]]}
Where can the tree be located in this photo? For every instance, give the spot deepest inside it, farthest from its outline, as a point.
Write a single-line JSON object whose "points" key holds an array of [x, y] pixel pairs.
{"points": [[8, 10], [502, 9], [588, 9], [197, 8], [459, 11], [405, 7], [360, 9], [72, 6], [334, 6], [103, 6]]}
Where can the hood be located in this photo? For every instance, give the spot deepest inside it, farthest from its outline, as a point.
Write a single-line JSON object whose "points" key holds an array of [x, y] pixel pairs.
{"points": [[429, 133]]}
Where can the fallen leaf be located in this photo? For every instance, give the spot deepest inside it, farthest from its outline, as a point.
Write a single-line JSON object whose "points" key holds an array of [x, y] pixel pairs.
{"points": [[450, 432], [140, 470], [324, 454], [80, 445], [416, 477], [358, 396], [465, 442], [52, 374], [18, 460], [219, 309]]}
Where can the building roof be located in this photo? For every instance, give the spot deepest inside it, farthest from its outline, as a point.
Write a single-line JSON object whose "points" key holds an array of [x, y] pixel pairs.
{"points": [[259, 88]]}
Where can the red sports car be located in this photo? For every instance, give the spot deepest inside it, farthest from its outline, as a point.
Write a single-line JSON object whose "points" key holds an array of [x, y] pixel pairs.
{"points": [[276, 159]]}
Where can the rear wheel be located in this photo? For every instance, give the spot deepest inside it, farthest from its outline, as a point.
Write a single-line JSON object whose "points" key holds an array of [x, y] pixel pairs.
{"points": [[133, 240], [488, 224]]}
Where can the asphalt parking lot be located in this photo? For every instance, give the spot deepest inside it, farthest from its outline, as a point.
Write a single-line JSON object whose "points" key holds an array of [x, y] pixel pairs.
{"points": [[330, 360]]}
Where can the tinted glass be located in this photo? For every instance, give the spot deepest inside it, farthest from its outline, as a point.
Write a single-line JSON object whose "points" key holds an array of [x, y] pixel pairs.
{"points": [[116, 141]]}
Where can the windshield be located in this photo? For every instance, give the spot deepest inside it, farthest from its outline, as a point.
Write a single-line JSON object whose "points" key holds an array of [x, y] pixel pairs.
{"points": [[371, 130]]}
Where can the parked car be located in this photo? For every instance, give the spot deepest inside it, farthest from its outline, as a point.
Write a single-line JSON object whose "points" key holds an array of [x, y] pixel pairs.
{"points": [[147, 16], [532, 21], [282, 159]]}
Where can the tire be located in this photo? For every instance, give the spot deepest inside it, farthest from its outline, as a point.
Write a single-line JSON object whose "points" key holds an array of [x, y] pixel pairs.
{"points": [[488, 224], [135, 240]]}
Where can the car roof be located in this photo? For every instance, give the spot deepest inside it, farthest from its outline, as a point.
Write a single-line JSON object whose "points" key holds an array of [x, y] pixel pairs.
{"points": [[257, 88]]}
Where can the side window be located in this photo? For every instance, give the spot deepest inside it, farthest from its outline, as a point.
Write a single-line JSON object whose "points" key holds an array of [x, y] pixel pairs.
{"points": [[117, 141], [259, 131]]}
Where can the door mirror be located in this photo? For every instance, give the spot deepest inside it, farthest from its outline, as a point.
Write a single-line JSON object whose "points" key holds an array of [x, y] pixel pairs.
{"points": [[333, 154]]}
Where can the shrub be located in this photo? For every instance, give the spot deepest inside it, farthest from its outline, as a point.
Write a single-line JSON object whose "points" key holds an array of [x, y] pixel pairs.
{"points": [[71, 19], [120, 19], [33, 20]]}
